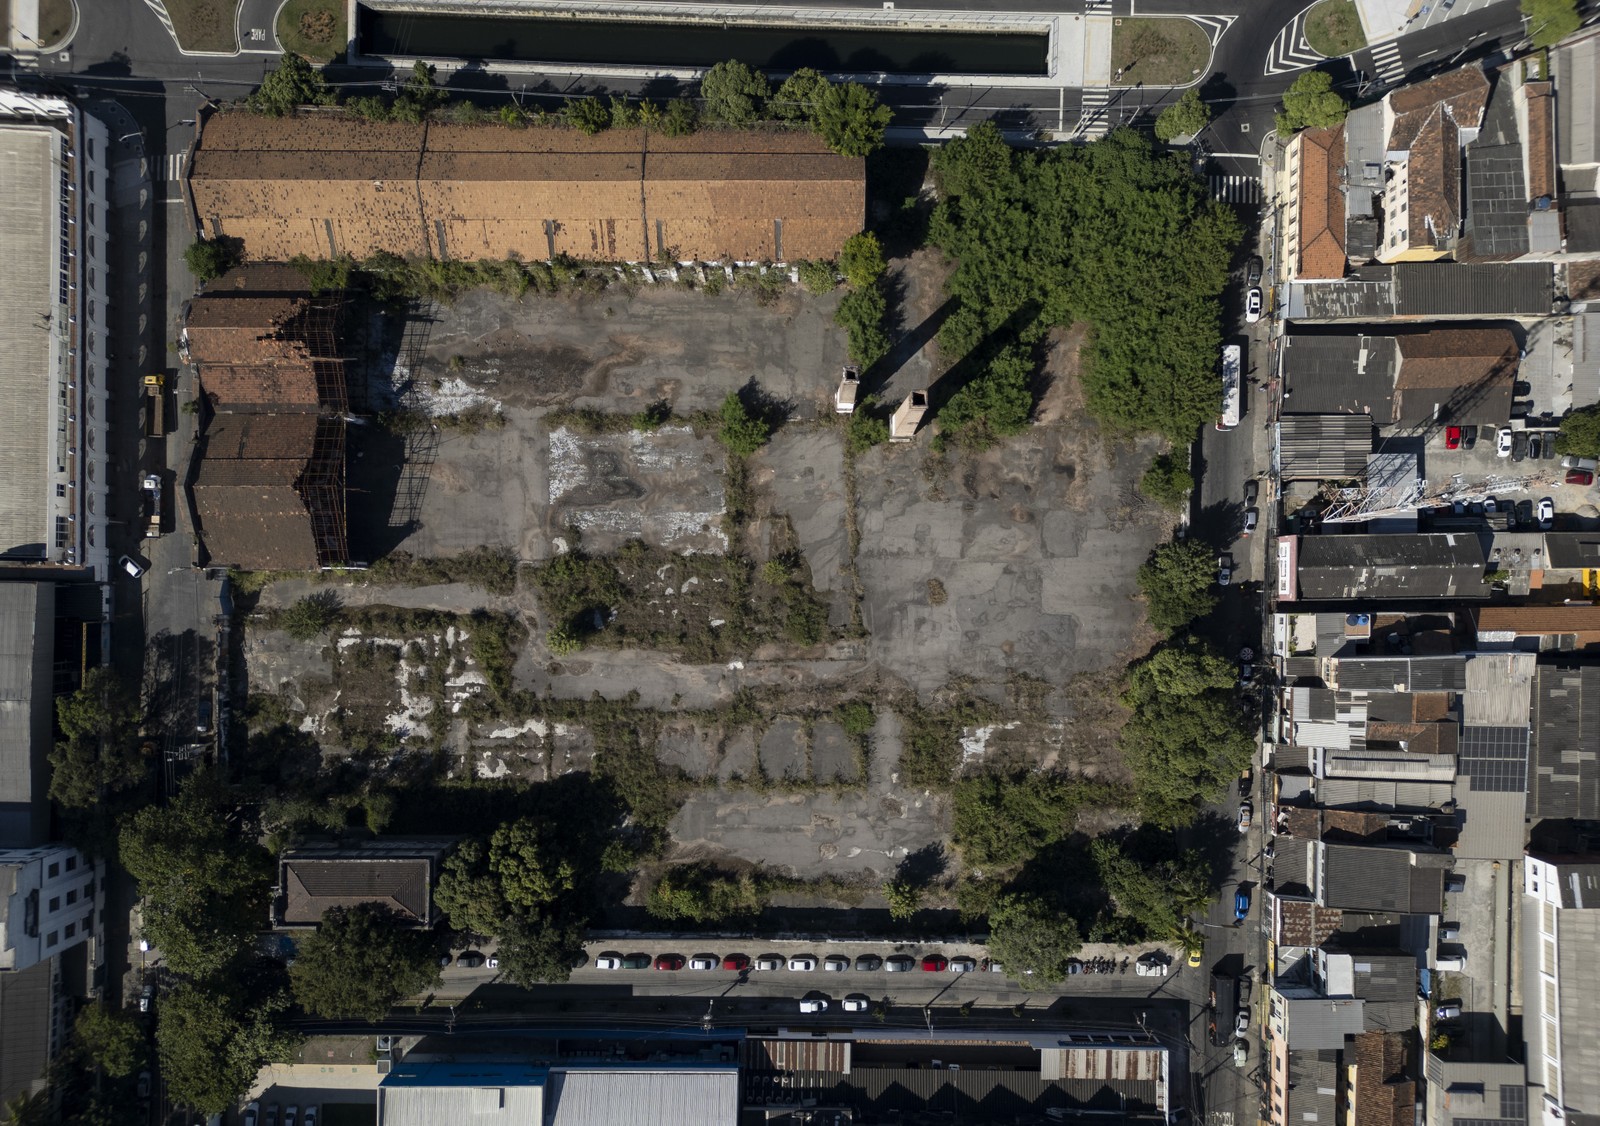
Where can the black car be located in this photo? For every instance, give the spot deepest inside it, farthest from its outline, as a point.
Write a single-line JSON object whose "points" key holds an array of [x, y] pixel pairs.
{"points": [[1519, 445], [869, 962], [472, 959], [1252, 271], [1535, 447], [1469, 437], [1549, 446]]}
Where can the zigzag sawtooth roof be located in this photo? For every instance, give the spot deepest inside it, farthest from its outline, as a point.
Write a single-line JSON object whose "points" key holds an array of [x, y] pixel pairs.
{"points": [[324, 184]]}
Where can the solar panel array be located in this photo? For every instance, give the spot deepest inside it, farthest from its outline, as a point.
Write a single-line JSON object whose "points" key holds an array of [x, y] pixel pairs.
{"points": [[1494, 758]]}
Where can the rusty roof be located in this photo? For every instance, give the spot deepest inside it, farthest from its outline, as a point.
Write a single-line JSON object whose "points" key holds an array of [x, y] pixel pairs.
{"points": [[311, 887], [1321, 203], [1302, 923], [1529, 621], [1467, 372], [1540, 141], [322, 184], [1464, 92], [1384, 1095]]}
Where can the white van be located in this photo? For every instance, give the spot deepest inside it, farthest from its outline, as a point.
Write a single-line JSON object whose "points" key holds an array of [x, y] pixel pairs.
{"points": [[1456, 962]]}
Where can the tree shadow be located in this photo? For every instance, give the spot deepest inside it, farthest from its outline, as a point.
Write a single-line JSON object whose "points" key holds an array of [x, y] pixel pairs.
{"points": [[906, 343], [924, 866], [762, 404]]}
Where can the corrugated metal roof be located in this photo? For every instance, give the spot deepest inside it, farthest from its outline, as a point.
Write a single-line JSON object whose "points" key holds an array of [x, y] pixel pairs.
{"points": [[1565, 777], [1496, 196], [26, 999], [1444, 565], [1498, 691], [643, 1098], [1428, 290], [1321, 1023], [970, 1094], [1324, 446], [1400, 674], [1375, 793], [1351, 374], [1574, 67], [1358, 878]]}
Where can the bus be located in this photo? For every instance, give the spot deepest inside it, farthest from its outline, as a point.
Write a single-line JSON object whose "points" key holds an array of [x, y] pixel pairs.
{"points": [[1229, 418]]}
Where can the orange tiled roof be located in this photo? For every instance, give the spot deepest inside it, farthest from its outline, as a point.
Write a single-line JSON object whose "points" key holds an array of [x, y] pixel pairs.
{"points": [[1321, 204]]}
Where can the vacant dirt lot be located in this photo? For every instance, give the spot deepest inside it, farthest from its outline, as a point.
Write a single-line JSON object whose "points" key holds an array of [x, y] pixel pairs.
{"points": [[937, 570]]}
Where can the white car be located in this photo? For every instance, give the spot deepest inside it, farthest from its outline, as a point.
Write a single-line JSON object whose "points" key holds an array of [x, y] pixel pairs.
{"points": [[1241, 1023], [703, 962], [291, 1115], [1224, 570], [608, 961], [1252, 305], [836, 963], [1547, 512], [1241, 1052], [962, 965], [129, 567], [855, 1003], [1502, 442], [1245, 810], [1150, 967], [813, 1005], [803, 963], [311, 1116], [769, 962]]}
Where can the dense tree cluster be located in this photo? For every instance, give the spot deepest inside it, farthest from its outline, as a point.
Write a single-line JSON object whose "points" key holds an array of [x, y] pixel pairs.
{"points": [[101, 755], [1550, 21], [1176, 582], [1114, 234], [1311, 102], [359, 962], [1188, 738], [1580, 433]]}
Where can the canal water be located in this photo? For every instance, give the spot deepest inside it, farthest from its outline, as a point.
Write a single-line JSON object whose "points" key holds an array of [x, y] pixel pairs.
{"points": [[578, 42]]}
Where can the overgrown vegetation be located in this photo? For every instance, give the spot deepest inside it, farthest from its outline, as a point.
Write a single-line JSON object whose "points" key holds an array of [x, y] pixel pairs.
{"points": [[720, 606], [861, 311], [930, 740], [294, 83], [1168, 482], [1176, 582], [1112, 233], [1550, 21], [493, 569], [101, 759], [209, 259], [1580, 433], [703, 894], [359, 962]]}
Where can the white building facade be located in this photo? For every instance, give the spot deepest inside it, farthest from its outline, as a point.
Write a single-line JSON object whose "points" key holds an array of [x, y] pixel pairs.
{"points": [[1561, 950], [50, 901]]}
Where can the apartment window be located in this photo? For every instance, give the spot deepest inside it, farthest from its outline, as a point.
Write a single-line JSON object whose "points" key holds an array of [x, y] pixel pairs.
{"points": [[72, 863], [55, 903], [72, 929], [88, 890], [91, 179], [52, 939], [72, 897], [61, 490], [55, 870]]}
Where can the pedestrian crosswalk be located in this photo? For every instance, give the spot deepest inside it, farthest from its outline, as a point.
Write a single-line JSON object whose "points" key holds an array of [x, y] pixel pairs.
{"points": [[1235, 189], [1386, 57], [1094, 118], [174, 165]]}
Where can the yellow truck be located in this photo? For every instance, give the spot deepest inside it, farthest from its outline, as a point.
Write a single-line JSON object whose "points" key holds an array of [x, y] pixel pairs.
{"points": [[155, 424]]}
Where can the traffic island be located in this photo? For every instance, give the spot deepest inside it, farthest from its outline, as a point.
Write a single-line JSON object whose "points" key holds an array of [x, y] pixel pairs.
{"points": [[206, 26], [1158, 51], [1333, 28], [313, 28]]}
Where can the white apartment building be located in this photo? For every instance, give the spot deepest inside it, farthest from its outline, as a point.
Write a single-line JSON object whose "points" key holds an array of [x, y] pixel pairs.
{"points": [[50, 901], [1561, 949]]}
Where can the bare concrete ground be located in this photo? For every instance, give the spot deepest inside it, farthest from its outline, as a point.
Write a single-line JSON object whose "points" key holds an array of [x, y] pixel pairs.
{"points": [[1033, 546]]}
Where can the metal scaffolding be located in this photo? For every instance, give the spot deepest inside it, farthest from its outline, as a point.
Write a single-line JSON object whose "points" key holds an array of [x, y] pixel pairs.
{"points": [[321, 486]]}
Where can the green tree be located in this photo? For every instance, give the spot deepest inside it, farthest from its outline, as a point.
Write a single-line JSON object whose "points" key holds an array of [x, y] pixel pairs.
{"points": [[1167, 482], [850, 120], [1178, 668], [860, 314], [679, 118], [741, 431], [294, 83], [1550, 21], [865, 429], [1137, 893], [587, 115], [1580, 433], [540, 952], [1176, 583], [1311, 102], [1026, 934], [734, 93], [359, 962], [1185, 751], [469, 894], [102, 753], [1000, 821], [1115, 234], [203, 882], [995, 405], [530, 872], [325, 275], [702, 893], [209, 259], [861, 260], [212, 1044], [310, 617], [903, 897], [113, 1040], [796, 100], [1184, 117], [422, 89]]}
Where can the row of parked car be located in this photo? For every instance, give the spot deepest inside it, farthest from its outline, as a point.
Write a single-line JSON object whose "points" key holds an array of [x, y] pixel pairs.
{"points": [[798, 963], [292, 1116]]}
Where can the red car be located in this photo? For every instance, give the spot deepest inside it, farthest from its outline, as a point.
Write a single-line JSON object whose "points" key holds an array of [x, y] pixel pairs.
{"points": [[1580, 477], [669, 962], [1452, 437], [934, 964], [736, 962]]}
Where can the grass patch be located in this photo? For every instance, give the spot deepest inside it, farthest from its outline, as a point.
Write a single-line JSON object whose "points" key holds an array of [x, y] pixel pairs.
{"points": [[1158, 51], [492, 568], [204, 25], [55, 20], [1333, 28], [313, 28]]}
